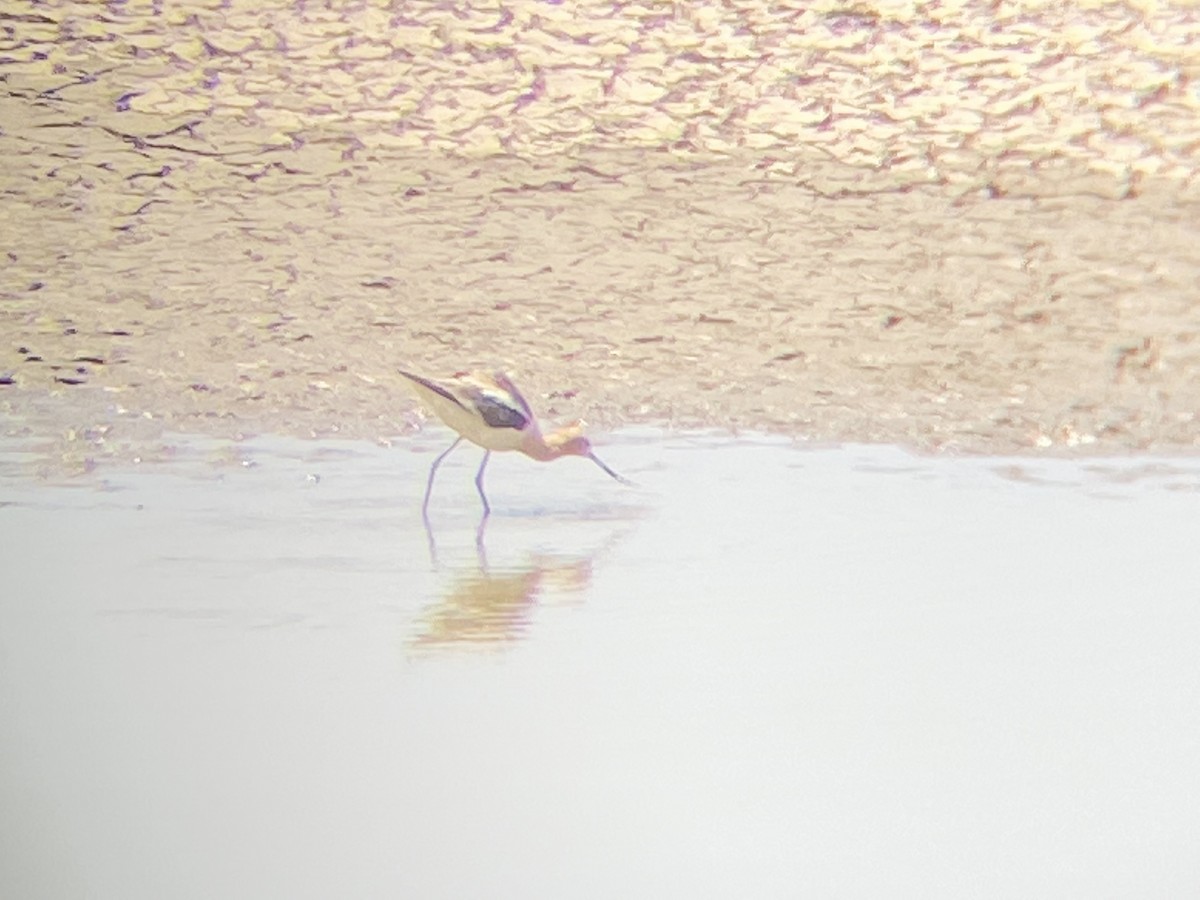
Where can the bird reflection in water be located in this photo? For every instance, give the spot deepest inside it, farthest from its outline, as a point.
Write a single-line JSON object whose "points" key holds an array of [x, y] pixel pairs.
{"points": [[485, 608], [482, 607], [496, 609]]}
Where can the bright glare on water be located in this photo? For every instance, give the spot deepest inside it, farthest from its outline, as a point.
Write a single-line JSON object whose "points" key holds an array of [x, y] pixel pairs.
{"points": [[766, 671]]}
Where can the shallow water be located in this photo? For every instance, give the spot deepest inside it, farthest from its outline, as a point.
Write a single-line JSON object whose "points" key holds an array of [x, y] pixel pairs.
{"points": [[768, 670]]}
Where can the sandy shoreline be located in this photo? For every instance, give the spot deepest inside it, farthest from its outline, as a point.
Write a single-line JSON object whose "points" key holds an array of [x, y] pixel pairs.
{"points": [[916, 318], [180, 258]]}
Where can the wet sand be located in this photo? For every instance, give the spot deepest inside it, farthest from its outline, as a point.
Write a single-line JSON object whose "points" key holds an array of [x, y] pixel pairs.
{"points": [[948, 229]]}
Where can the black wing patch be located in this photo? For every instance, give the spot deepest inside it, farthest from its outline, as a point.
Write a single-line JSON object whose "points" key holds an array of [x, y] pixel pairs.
{"points": [[496, 409], [505, 382], [497, 413]]}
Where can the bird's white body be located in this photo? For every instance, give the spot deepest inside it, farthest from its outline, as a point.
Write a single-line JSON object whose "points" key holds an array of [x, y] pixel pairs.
{"points": [[462, 412]]}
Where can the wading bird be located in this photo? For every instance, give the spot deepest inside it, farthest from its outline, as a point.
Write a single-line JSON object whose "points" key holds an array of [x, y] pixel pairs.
{"points": [[489, 411]]}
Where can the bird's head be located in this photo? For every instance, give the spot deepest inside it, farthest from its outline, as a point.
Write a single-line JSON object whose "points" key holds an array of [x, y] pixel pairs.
{"points": [[570, 441]]}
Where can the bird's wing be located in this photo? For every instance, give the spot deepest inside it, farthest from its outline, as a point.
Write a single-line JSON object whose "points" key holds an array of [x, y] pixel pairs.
{"points": [[506, 384], [501, 406], [439, 389]]}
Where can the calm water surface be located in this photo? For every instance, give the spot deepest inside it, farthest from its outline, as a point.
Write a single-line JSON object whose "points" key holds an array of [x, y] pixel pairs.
{"points": [[767, 671]]}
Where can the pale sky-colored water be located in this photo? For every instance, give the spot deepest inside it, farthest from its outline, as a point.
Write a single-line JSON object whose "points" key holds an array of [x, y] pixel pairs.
{"points": [[768, 671]]}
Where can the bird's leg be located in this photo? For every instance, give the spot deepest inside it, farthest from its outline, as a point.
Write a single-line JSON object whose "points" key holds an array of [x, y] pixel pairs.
{"points": [[433, 471], [433, 556], [487, 510]]}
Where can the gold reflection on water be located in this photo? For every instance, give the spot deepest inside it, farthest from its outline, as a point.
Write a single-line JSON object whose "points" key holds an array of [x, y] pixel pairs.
{"points": [[483, 606], [494, 609]]}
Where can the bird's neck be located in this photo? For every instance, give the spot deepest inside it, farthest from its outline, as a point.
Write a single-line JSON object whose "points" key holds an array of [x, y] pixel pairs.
{"points": [[545, 448], [541, 451]]}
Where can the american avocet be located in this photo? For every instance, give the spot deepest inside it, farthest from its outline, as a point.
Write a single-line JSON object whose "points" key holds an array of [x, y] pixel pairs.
{"points": [[489, 411]]}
